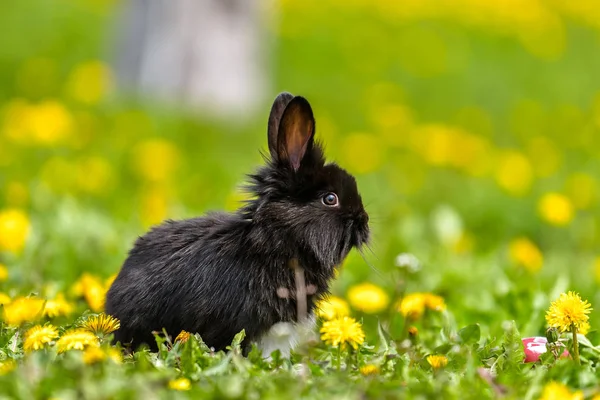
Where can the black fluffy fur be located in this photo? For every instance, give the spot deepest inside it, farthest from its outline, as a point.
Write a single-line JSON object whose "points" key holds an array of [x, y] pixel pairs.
{"points": [[219, 274]]}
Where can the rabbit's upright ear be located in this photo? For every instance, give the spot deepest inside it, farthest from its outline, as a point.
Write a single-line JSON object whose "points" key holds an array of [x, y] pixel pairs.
{"points": [[281, 101], [296, 132]]}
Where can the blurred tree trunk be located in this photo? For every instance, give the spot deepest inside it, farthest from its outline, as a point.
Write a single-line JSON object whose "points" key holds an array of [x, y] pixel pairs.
{"points": [[208, 55]]}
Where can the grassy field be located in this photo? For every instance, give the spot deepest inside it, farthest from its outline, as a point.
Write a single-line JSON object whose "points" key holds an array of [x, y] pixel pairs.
{"points": [[472, 128]]}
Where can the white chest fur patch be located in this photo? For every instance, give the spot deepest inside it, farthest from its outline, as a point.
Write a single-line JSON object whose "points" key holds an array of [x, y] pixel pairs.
{"points": [[284, 336]]}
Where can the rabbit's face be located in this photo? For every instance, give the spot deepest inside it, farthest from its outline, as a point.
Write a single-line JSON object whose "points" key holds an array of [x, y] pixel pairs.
{"points": [[302, 203], [321, 212]]}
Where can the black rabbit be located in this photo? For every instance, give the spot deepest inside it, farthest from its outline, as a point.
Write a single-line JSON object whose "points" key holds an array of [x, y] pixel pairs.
{"points": [[218, 274]]}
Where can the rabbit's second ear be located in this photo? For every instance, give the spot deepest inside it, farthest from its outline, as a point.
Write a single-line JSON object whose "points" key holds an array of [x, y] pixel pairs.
{"points": [[281, 101], [296, 131]]}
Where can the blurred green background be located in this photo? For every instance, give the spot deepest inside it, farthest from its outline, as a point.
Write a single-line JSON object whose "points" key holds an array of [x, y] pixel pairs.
{"points": [[471, 126]]}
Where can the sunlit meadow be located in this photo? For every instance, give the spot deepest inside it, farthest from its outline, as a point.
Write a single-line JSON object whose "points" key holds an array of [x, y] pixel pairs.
{"points": [[473, 130]]}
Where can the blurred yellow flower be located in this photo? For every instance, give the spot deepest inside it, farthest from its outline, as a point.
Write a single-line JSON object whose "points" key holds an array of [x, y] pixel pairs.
{"points": [[17, 194], [155, 160], [434, 302], [342, 331], [525, 253], [3, 273], [101, 324], [362, 153], [558, 391], [94, 354], [180, 384], [49, 122], [369, 369], [92, 289], [584, 328], [76, 339], [437, 361], [57, 307], [23, 309], [567, 311], [90, 82], [39, 336], [556, 209], [582, 190], [7, 366], [14, 229], [514, 173], [332, 307], [368, 298], [4, 298], [183, 337], [413, 305]]}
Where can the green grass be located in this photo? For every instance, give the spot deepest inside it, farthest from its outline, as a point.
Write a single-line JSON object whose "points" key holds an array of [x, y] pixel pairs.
{"points": [[388, 86]]}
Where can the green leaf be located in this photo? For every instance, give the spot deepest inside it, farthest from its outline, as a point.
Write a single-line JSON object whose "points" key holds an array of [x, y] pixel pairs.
{"points": [[384, 336], [470, 334]]}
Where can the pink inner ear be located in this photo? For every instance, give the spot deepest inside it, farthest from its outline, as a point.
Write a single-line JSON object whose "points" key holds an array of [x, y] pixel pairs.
{"points": [[297, 139]]}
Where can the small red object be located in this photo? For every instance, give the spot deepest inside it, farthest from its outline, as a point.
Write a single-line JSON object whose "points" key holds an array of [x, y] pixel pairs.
{"points": [[536, 346]]}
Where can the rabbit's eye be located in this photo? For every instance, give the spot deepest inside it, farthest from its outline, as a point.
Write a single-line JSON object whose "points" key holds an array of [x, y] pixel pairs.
{"points": [[330, 199]]}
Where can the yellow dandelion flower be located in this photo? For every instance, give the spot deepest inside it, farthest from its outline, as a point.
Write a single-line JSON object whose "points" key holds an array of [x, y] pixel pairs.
{"points": [[525, 253], [332, 307], [14, 229], [115, 355], [156, 159], [76, 339], [558, 391], [49, 122], [412, 306], [437, 361], [4, 298], [93, 355], [92, 289], [183, 337], [23, 309], [57, 307], [369, 369], [3, 273], [514, 172], [567, 311], [7, 366], [39, 336], [556, 209], [102, 324], [368, 298], [342, 331], [180, 384], [585, 328], [434, 302]]}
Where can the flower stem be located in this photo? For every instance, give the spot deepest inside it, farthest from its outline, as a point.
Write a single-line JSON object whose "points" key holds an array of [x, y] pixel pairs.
{"points": [[339, 356], [575, 344]]}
